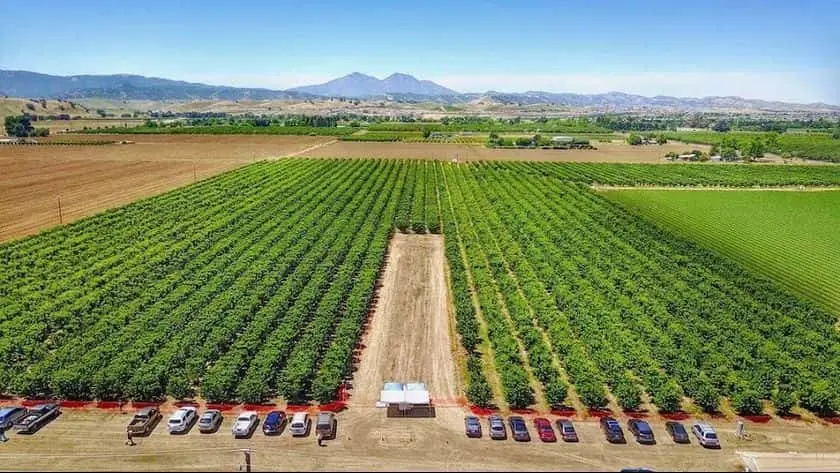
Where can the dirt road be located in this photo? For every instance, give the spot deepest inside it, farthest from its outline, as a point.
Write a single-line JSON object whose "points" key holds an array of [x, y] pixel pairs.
{"points": [[409, 337]]}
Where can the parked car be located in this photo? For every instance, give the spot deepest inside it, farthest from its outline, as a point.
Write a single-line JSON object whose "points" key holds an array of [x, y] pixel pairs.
{"points": [[10, 415], [144, 421], [677, 432], [612, 430], [706, 435], [210, 421], [497, 427], [544, 430], [518, 429], [472, 426], [325, 425], [300, 424], [274, 422], [641, 430], [245, 424], [182, 420], [567, 430], [36, 418]]}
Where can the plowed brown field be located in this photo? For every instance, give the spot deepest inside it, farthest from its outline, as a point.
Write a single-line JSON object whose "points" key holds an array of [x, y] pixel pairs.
{"points": [[90, 179], [614, 152]]}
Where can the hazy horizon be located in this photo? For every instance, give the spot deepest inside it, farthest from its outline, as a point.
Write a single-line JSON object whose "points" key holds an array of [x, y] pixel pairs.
{"points": [[756, 50]]}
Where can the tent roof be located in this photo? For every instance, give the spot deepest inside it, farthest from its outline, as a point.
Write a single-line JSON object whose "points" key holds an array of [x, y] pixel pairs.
{"points": [[392, 386], [411, 393]]}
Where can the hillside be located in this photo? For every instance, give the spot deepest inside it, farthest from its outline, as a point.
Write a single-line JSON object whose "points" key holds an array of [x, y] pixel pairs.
{"points": [[125, 86], [397, 87], [19, 106]]}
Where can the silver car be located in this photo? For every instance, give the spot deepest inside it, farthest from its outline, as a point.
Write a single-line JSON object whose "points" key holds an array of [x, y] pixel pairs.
{"points": [[210, 421], [498, 431], [245, 424], [706, 435]]}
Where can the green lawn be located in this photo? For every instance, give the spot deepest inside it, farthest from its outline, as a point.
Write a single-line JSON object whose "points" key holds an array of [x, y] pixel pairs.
{"points": [[791, 237]]}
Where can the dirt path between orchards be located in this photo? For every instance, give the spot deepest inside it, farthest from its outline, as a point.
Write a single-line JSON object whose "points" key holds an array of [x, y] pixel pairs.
{"points": [[409, 336]]}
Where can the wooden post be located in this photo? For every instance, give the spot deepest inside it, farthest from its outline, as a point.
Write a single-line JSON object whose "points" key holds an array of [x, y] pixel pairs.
{"points": [[60, 217], [247, 452]]}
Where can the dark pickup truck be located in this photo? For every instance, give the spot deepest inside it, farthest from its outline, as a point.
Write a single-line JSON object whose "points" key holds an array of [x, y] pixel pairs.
{"points": [[36, 418], [144, 421]]}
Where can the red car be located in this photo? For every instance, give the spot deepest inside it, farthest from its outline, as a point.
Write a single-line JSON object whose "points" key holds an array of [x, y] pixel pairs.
{"points": [[544, 429]]}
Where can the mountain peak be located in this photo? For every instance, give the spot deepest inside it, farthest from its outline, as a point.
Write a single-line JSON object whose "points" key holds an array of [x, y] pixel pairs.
{"points": [[362, 85], [400, 75]]}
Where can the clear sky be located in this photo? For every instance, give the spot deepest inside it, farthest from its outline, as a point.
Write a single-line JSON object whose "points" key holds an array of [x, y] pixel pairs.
{"points": [[780, 50]]}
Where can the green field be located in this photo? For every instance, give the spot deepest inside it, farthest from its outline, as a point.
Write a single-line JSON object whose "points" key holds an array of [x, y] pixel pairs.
{"points": [[791, 237], [819, 146], [256, 284]]}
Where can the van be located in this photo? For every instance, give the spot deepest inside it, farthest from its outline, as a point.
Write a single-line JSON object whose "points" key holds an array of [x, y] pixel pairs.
{"points": [[300, 424], [10, 415], [325, 425]]}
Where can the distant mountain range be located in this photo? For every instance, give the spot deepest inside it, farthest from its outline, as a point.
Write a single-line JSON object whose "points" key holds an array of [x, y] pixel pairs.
{"points": [[358, 85], [126, 87], [397, 86]]}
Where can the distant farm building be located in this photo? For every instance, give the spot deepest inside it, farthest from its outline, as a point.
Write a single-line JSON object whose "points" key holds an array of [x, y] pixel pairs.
{"points": [[563, 139]]}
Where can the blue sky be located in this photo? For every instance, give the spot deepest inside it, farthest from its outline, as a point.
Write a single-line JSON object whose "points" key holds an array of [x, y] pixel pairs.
{"points": [[771, 49]]}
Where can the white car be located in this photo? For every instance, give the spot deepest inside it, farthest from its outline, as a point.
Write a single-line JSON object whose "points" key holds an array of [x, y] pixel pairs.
{"points": [[706, 435], [182, 419], [300, 424], [245, 424]]}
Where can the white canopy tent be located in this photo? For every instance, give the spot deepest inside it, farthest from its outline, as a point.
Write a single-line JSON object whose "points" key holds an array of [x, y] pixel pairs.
{"points": [[404, 395]]}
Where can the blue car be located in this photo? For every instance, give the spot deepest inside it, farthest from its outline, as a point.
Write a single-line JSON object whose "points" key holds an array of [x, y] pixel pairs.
{"points": [[274, 422], [10, 415]]}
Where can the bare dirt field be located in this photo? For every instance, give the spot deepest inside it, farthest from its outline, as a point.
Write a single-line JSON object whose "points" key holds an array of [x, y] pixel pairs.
{"points": [[90, 179], [613, 152], [409, 334]]}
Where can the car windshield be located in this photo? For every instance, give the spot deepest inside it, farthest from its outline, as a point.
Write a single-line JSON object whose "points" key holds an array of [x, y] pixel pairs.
{"points": [[643, 428], [678, 429], [613, 425], [711, 435], [243, 419], [568, 428], [174, 421]]}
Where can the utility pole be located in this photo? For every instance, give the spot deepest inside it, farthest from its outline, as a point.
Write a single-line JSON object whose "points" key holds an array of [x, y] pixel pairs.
{"points": [[60, 217], [247, 452]]}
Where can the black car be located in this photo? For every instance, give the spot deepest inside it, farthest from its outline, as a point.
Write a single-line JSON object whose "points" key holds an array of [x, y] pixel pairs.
{"points": [[677, 432], [36, 418], [641, 430], [612, 430]]}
